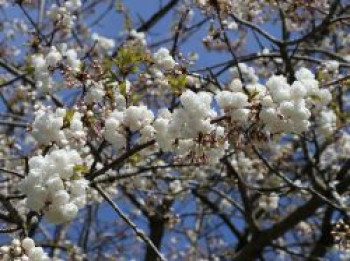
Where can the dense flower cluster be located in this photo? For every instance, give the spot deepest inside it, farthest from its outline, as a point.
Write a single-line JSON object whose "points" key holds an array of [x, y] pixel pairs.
{"points": [[188, 131], [55, 186], [283, 108], [47, 126], [163, 59], [56, 126], [134, 118], [24, 250]]}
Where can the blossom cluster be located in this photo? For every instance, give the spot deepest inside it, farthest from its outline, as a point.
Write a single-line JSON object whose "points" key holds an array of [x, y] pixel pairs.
{"points": [[188, 131], [282, 108], [24, 250], [104, 44], [163, 59], [134, 118], [45, 64], [55, 186], [56, 126], [64, 15], [287, 107], [193, 131], [163, 63]]}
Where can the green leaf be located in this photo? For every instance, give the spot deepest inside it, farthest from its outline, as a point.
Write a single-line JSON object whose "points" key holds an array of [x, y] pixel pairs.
{"points": [[78, 170], [134, 159], [177, 83], [119, 6], [128, 59], [135, 98], [29, 70], [68, 117], [122, 88]]}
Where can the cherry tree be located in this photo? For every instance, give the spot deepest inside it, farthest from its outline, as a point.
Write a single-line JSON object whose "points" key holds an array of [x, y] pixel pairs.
{"points": [[206, 130]]}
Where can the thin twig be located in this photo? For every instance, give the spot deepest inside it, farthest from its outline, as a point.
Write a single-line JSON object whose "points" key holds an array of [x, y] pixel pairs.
{"points": [[137, 231]]}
